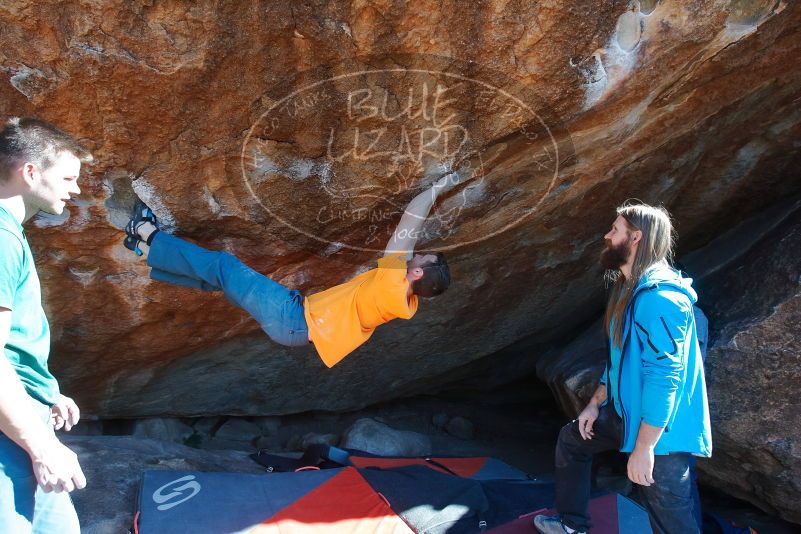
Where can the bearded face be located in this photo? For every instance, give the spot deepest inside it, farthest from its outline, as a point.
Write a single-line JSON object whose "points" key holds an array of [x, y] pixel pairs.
{"points": [[615, 256]]}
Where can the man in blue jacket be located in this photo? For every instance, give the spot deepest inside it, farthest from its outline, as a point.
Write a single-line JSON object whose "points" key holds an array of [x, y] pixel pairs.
{"points": [[652, 401]]}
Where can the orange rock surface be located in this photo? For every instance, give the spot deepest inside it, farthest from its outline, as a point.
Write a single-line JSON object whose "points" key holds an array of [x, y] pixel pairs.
{"points": [[691, 104]]}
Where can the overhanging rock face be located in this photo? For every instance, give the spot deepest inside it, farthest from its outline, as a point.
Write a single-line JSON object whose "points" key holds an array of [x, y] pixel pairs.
{"points": [[292, 136]]}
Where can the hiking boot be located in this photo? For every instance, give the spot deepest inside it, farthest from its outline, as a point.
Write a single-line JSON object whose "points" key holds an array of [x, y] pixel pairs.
{"points": [[547, 524]]}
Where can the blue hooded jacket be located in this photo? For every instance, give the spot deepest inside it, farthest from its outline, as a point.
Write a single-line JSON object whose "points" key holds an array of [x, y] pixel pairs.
{"points": [[661, 373]]}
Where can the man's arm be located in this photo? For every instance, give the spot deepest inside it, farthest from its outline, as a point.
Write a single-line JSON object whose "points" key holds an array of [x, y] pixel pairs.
{"points": [[406, 234], [589, 414], [641, 461], [661, 331], [18, 420], [599, 396], [55, 466]]}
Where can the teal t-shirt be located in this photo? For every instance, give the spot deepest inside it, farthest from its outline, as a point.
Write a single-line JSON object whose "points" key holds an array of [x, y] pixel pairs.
{"points": [[28, 345]]}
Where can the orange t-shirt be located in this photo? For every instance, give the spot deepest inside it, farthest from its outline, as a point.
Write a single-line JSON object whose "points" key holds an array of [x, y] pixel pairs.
{"points": [[345, 316]]}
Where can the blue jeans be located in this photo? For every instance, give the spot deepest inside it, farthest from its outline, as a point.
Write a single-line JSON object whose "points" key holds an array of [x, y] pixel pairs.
{"points": [[669, 501], [278, 310], [24, 507]]}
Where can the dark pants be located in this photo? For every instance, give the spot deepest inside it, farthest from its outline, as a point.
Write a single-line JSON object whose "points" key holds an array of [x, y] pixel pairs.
{"points": [[277, 309], [669, 500]]}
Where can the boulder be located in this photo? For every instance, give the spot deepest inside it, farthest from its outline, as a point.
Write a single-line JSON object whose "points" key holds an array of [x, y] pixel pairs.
{"points": [[270, 443], [206, 425], [439, 420], [753, 371], [573, 371], [167, 429], [563, 111], [113, 466], [371, 436], [269, 425], [87, 427], [236, 429], [318, 439], [460, 427]]}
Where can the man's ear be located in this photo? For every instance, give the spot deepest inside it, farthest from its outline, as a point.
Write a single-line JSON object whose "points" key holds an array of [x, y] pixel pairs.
{"points": [[636, 236], [416, 273], [29, 172]]}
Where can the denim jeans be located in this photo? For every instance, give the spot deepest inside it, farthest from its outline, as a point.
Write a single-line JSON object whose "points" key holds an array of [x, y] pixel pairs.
{"points": [[24, 507], [669, 501], [278, 310]]}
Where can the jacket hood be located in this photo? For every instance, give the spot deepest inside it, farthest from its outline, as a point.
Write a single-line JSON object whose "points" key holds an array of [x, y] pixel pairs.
{"points": [[666, 277]]}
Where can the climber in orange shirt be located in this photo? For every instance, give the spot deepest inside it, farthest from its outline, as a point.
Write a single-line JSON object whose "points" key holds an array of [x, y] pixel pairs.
{"points": [[337, 320]]}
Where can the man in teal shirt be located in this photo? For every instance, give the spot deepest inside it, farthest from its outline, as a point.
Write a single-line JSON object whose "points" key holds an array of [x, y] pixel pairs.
{"points": [[652, 401], [39, 168]]}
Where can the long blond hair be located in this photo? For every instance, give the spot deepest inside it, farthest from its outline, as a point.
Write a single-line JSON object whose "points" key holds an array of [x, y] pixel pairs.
{"points": [[655, 247]]}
